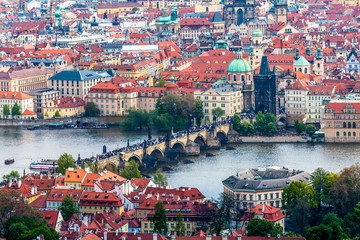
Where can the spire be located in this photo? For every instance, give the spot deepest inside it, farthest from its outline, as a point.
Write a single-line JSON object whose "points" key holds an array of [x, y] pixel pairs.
{"points": [[308, 50], [297, 56], [264, 68], [251, 50], [239, 55], [318, 55], [274, 70]]}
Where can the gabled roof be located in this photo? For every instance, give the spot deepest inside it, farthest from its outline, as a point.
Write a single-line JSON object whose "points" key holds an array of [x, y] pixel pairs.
{"points": [[301, 62], [74, 175], [75, 75]]}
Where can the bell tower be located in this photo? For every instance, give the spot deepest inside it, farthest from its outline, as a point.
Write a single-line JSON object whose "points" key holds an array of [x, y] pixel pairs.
{"points": [[318, 68], [280, 11]]}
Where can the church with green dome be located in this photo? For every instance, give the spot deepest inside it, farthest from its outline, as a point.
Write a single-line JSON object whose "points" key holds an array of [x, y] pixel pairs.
{"points": [[240, 76], [168, 24]]}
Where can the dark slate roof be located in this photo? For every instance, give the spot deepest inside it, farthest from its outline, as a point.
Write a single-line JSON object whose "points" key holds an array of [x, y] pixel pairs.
{"points": [[217, 17], [75, 75], [262, 179]]}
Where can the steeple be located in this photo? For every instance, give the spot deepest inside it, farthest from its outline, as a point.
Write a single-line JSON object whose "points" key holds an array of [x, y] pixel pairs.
{"points": [[318, 54], [251, 50], [308, 50], [264, 68], [297, 56], [174, 14], [58, 15]]}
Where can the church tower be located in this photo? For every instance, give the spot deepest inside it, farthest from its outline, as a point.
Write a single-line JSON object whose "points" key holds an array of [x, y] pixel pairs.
{"points": [[237, 12], [58, 16], [318, 68], [257, 41], [280, 11]]}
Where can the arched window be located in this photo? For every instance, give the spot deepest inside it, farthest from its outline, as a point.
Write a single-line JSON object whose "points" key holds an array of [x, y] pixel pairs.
{"points": [[337, 134], [349, 134], [305, 70], [318, 65], [243, 78], [300, 70], [344, 125], [234, 78], [354, 124], [344, 134], [349, 124], [354, 134], [207, 9]]}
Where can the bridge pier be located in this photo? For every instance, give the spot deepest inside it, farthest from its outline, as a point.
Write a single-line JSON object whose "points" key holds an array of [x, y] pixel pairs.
{"points": [[192, 149]]}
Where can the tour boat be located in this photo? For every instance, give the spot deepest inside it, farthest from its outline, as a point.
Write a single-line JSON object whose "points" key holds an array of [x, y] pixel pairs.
{"points": [[9, 161], [45, 164]]}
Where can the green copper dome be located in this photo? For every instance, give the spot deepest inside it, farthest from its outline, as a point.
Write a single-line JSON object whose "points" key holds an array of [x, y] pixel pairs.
{"points": [[257, 33], [58, 12], [239, 65]]}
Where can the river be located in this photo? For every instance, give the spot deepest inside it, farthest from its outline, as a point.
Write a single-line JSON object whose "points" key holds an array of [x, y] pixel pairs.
{"points": [[206, 173]]}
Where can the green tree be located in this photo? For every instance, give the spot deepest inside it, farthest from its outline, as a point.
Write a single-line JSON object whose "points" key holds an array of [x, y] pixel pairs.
{"points": [[243, 127], [46, 114], [91, 110], [345, 192], [131, 170], [351, 222], [136, 119], [90, 165], [160, 83], [263, 227], [6, 110], [265, 124], [298, 199], [248, 128], [159, 219], [164, 122], [13, 175], [160, 179], [180, 226], [199, 111], [217, 112], [322, 182], [57, 114], [68, 207], [15, 111], [65, 161], [310, 129], [14, 205], [319, 233], [299, 127], [329, 229]]}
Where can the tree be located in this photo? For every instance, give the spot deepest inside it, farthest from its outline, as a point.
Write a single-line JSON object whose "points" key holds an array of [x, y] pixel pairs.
{"points": [[199, 111], [131, 170], [136, 119], [263, 227], [319, 232], [90, 165], [160, 83], [345, 192], [329, 229], [322, 181], [13, 175], [13, 204], [265, 124], [91, 110], [159, 219], [6, 110], [217, 112], [65, 161], [57, 114], [15, 111], [299, 127], [243, 127], [68, 207], [180, 226], [310, 129], [298, 199], [160, 179], [351, 222]]}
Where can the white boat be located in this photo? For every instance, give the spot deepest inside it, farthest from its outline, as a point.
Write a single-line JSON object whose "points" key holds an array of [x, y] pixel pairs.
{"points": [[47, 164]]}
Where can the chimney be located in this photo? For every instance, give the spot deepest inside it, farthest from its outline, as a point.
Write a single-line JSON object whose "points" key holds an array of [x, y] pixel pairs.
{"points": [[268, 236], [208, 237], [135, 233], [278, 236], [224, 237], [172, 237], [117, 232], [105, 235], [32, 191], [239, 237], [154, 236], [263, 208]]}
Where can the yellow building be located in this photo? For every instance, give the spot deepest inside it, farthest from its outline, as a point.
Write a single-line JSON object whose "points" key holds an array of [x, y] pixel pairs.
{"points": [[21, 80], [99, 202], [118, 7], [193, 213], [350, 2], [74, 178], [66, 107], [342, 121]]}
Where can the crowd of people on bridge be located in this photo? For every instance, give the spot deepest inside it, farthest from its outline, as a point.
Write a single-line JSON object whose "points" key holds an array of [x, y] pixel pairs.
{"points": [[151, 142]]}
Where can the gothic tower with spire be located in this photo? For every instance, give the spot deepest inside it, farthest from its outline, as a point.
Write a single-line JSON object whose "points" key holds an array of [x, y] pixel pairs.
{"points": [[318, 68]]}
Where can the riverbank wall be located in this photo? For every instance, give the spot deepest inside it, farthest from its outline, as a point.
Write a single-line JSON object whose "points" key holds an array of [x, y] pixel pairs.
{"points": [[112, 121], [275, 139]]}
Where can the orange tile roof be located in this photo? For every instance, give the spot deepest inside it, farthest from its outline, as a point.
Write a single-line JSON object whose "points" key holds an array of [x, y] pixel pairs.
{"points": [[90, 179], [14, 95], [75, 175]]}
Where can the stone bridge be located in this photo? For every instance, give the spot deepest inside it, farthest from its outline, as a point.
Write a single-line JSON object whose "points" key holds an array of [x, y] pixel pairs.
{"points": [[186, 145]]}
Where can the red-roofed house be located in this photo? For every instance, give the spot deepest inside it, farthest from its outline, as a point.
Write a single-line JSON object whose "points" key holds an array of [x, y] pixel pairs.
{"points": [[56, 196], [25, 102], [66, 107], [96, 202], [263, 211], [191, 28], [53, 218]]}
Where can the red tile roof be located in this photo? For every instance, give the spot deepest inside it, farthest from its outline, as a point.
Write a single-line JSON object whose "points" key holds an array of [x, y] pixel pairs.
{"points": [[75, 175], [100, 199], [68, 102], [14, 95], [51, 217], [265, 211], [338, 107], [40, 202], [58, 194]]}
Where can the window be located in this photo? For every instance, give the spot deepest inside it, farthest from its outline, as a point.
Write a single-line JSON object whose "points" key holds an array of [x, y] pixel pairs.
{"points": [[259, 197], [349, 134], [188, 226], [354, 134], [337, 134]]}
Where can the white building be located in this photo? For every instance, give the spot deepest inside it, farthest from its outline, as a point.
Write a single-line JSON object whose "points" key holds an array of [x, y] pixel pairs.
{"points": [[316, 98], [24, 101], [352, 63]]}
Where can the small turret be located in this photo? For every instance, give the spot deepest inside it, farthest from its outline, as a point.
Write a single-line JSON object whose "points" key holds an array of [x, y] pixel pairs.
{"points": [[308, 50], [297, 56], [251, 50], [318, 54]]}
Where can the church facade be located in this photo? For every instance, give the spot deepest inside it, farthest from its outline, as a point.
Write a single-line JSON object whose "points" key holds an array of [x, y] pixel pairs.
{"points": [[237, 12]]}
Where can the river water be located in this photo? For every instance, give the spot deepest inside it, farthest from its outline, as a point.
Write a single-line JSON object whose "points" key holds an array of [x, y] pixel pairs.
{"points": [[206, 173]]}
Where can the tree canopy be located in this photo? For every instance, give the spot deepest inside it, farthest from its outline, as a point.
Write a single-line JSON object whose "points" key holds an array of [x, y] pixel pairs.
{"points": [[180, 226], [198, 111], [15, 111], [6, 110], [91, 110], [12, 175], [265, 124], [217, 112], [57, 114], [263, 227], [159, 219], [68, 207], [242, 127], [299, 127], [131, 170], [65, 161], [160, 179]]}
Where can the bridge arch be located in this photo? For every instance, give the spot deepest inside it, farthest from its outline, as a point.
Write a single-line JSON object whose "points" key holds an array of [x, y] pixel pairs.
{"points": [[159, 155], [200, 140], [111, 167], [178, 146], [221, 136], [135, 158]]}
